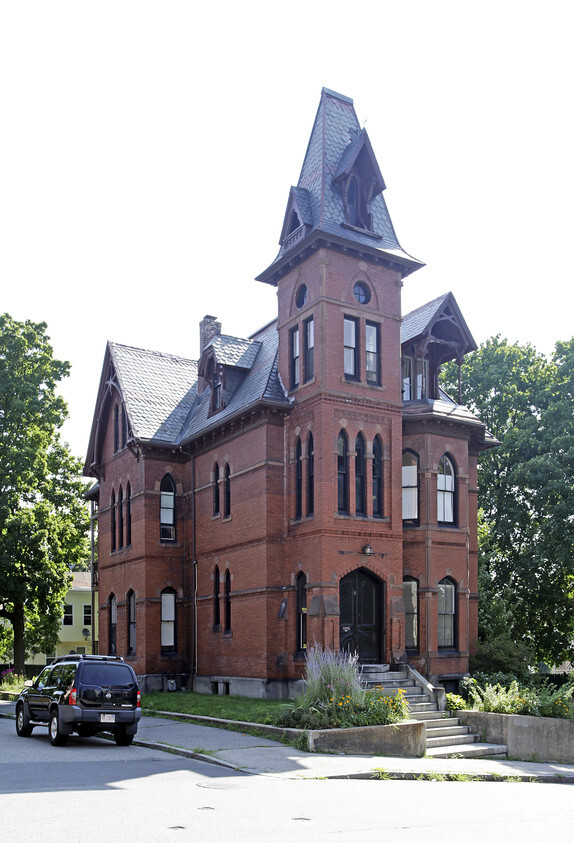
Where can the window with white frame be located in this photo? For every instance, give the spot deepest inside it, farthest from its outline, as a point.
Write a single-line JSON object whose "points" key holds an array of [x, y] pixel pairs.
{"points": [[445, 491], [68, 619], [446, 613], [168, 620], [167, 509], [410, 486]]}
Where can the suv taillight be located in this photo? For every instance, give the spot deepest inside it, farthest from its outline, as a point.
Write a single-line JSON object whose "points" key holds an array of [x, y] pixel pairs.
{"points": [[72, 699], [139, 700]]}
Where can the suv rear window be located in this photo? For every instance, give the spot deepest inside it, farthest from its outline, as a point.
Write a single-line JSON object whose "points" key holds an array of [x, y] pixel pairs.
{"points": [[107, 675]]}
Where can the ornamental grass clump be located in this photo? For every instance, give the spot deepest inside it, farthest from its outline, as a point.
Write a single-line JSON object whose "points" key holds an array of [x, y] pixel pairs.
{"points": [[335, 699]]}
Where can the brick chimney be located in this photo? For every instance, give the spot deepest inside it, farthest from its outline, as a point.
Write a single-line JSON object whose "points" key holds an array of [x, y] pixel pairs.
{"points": [[209, 328]]}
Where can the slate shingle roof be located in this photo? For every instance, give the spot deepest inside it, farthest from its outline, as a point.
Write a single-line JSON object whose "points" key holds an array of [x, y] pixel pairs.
{"points": [[417, 321], [234, 351], [261, 383], [160, 390], [335, 135]]}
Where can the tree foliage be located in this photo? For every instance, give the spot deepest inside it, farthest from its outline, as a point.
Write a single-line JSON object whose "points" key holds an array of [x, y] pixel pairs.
{"points": [[43, 517], [526, 493]]}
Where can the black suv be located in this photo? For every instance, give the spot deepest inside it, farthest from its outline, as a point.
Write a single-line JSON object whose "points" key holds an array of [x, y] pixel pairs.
{"points": [[83, 694]]}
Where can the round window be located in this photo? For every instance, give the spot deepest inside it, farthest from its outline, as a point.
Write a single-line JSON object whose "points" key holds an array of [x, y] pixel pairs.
{"points": [[362, 293], [301, 296]]}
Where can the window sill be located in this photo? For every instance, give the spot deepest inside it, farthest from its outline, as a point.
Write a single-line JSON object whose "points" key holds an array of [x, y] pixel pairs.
{"points": [[216, 627], [228, 634], [226, 518]]}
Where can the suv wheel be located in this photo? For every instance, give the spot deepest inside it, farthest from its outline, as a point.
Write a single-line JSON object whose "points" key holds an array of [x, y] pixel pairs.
{"points": [[56, 736], [123, 739], [23, 729]]}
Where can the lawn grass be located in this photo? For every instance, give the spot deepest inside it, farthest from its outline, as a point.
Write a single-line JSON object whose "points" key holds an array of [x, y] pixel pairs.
{"points": [[208, 705]]}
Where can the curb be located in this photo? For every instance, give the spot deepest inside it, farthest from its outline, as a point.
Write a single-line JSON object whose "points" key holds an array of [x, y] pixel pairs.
{"points": [[377, 774]]}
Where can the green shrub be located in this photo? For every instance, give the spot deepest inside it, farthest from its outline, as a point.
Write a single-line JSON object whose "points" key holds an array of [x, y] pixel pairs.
{"points": [[454, 702], [543, 700]]}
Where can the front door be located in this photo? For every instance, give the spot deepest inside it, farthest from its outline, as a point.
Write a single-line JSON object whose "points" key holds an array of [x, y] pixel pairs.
{"points": [[361, 618]]}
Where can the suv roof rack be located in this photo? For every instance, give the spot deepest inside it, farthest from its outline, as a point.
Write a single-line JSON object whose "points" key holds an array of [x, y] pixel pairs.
{"points": [[80, 657]]}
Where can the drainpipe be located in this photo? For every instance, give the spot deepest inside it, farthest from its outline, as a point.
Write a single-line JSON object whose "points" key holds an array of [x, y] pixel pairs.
{"points": [[193, 552]]}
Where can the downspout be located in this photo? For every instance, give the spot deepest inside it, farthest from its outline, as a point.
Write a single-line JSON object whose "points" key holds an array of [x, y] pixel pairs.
{"points": [[194, 583]]}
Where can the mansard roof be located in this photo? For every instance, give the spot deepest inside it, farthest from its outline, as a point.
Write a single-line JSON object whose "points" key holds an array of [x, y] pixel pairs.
{"points": [[160, 391], [439, 321], [336, 144]]}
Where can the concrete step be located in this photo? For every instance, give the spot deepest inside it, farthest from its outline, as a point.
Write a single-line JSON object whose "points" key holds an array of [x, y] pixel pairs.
{"points": [[471, 750], [430, 715], [449, 740], [390, 683], [434, 724], [447, 733], [418, 707]]}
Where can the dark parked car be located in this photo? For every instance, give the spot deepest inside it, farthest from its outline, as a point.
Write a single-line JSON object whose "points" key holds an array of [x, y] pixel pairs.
{"points": [[83, 694]]}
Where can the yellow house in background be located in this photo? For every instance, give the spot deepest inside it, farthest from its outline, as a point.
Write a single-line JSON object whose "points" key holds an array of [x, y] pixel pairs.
{"points": [[79, 628]]}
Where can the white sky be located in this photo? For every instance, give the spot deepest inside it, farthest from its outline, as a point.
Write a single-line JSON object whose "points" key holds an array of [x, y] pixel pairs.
{"points": [[147, 150]]}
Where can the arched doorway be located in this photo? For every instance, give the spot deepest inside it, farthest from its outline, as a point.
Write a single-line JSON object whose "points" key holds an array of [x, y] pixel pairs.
{"points": [[361, 606]]}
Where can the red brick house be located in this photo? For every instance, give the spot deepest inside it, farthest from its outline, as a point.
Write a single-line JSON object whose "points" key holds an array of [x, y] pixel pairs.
{"points": [[308, 483]]}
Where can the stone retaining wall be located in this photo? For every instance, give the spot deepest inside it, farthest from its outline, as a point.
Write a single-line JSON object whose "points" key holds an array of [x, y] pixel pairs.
{"points": [[527, 738]]}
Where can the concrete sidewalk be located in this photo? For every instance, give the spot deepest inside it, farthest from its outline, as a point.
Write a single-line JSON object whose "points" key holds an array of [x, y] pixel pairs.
{"points": [[262, 756]]}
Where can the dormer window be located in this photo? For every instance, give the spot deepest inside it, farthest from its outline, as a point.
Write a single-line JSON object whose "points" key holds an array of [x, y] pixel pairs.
{"points": [[217, 392], [294, 222]]}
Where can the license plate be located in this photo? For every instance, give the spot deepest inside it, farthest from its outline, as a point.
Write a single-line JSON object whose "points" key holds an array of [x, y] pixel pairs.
{"points": [[107, 718]]}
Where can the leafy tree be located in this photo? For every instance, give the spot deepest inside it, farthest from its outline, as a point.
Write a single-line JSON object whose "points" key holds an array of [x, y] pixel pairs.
{"points": [[43, 517], [526, 492]]}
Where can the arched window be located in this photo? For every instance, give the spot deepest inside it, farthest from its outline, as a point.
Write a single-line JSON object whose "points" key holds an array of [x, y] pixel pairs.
{"points": [[128, 515], [168, 620], [227, 491], [411, 601], [410, 487], [447, 613], [360, 476], [377, 478], [113, 522], [112, 625], [353, 201], [294, 223], [116, 428], [120, 518], [167, 509], [216, 608], [310, 475], [124, 427], [445, 491], [131, 601], [227, 602], [298, 479], [301, 596], [216, 489], [342, 473]]}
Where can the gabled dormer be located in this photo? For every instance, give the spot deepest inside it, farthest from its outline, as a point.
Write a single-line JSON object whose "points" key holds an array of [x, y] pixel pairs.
{"points": [[223, 365], [298, 218], [360, 181], [432, 335]]}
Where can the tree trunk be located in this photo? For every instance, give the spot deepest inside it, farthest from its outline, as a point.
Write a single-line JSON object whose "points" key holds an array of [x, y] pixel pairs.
{"points": [[19, 650]]}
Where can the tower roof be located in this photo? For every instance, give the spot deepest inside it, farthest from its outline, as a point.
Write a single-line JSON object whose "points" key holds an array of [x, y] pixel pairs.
{"points": [[339, 196]]}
